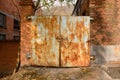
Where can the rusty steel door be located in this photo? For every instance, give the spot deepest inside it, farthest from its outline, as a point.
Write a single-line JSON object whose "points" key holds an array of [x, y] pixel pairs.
{"points": [[60, 41]]}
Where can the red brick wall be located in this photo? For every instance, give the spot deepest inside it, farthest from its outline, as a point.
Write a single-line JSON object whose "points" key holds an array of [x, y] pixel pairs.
{"points": [[8, 8], [105, 26]]}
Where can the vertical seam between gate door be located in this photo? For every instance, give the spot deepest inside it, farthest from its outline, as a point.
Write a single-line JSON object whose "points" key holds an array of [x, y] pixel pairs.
{"points": [[60, 41]]}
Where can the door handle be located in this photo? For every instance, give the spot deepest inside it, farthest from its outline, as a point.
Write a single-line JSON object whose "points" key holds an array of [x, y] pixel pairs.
{"points": [[60, 38]]}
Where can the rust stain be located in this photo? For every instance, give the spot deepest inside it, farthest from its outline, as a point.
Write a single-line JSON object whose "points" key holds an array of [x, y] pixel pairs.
{"points": [[60, 41], [75, 50], [45, 45]]}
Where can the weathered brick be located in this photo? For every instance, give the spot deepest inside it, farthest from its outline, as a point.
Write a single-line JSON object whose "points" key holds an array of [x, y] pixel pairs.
{"points": [[9, 9], [106, 18]]}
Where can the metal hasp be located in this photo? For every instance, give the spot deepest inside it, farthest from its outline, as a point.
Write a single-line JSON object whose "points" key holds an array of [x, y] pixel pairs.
{"points": [[60, 41]]}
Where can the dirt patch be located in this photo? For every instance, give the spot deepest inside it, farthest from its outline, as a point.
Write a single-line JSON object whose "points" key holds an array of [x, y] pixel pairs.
{"points": [[44, 73]]}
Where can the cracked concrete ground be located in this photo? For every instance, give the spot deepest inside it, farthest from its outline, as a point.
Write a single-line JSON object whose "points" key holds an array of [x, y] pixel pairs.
{"points": [[48, 73]]}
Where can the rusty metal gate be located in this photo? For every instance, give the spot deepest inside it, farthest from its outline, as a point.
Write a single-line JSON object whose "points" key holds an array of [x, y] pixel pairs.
{"points": [[60, 41]]}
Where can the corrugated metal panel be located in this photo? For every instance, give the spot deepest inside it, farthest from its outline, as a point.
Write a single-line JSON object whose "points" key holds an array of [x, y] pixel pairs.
{"points": [[45, 47], [60, 41], [74, 47]]}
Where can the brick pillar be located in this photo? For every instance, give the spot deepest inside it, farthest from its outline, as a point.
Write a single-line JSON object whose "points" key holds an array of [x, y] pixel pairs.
{"points": [[25, 44], [116, 37], [105, 30], [105, 26]]}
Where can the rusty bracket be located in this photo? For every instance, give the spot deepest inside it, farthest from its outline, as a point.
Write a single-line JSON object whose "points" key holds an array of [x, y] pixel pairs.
{"points": [[29, 17], [91, 19], [92, 57], [60, 38], [28, 56]]}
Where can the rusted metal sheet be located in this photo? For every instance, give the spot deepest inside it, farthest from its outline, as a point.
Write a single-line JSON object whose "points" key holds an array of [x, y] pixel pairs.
{"points": [[74, 46], [45, 47], [60, 41]]}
